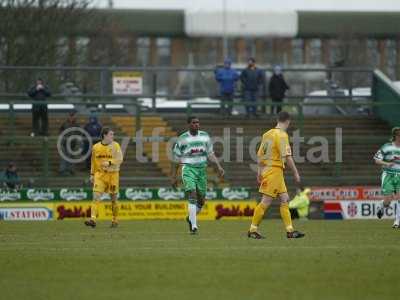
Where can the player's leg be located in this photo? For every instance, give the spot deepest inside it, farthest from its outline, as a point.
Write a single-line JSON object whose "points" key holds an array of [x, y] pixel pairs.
{"points": [[113, 189], [114, 209], [94, 209], [388, 190], [285, 212], [99, 187], [286, 217], [268, 191], [189, 186], [200, 182], [192, 209], [201, 187], [396, 223], [383, 204], [396, 198], [258, 215], [279, 183]]}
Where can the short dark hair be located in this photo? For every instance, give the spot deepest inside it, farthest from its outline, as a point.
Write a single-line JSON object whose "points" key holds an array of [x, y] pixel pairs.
{"points": [[252, 59], [283, 116], [105, 131], [191, 118]]}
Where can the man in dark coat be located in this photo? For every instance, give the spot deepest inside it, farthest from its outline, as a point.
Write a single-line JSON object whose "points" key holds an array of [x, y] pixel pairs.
{"points": [[93, 128], [252, 79], [39, 92], [277, 89]]}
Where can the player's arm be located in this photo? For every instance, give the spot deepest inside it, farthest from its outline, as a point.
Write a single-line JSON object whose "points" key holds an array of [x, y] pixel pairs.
{"points": [[174, 174], [213, 158], [92, 165], [290, 163], [287, 151], [117, 156], [260, 164], [176, 154], [263, 156], [383, 163], [260, 168], [378, 158]]}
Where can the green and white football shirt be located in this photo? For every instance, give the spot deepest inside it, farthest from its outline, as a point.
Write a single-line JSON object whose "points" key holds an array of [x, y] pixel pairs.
{"points": [[390, 179], [389, 152], [193, 150]]}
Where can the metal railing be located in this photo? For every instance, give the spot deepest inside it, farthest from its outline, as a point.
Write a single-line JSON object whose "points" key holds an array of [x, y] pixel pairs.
{"points": [[176, 82]]}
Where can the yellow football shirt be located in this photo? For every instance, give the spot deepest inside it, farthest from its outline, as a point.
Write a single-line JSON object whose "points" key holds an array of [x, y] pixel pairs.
{"points": [[274, 148], [111, 153]]}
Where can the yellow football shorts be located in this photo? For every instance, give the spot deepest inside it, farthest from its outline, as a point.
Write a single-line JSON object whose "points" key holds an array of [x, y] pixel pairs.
{"points": [[106, 182], [272, 182]]}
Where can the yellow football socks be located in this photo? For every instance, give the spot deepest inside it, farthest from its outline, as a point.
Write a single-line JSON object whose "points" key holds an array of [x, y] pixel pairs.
{"points": [[286, 218], [95, 209], [258, 215], [115, 209]]}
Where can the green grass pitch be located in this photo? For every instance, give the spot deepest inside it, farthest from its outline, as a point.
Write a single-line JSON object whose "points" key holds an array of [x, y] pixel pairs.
{"points": [[160, 260]]}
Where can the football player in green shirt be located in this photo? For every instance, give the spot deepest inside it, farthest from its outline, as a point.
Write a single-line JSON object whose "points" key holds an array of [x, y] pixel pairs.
{"points": [[388, 156], [192, 150]]}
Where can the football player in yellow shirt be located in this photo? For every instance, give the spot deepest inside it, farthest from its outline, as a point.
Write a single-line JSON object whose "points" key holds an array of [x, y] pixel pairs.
{"points": [[272, 155], [104, 174]]}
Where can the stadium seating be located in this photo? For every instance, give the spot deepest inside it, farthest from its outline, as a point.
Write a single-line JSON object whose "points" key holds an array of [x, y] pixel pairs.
{"points": [[27, 152], [361, 137]]}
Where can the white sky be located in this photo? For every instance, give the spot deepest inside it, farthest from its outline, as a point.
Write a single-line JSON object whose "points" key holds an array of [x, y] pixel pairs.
{"points": [[346, 5]]}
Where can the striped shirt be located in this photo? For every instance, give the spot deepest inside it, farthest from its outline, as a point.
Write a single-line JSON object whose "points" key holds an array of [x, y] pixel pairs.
{"points": [[389, 152], [193, 149]]}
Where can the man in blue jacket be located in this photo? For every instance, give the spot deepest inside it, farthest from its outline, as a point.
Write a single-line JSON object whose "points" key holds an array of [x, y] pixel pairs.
{"points": [[252, 79], [226, 78]]}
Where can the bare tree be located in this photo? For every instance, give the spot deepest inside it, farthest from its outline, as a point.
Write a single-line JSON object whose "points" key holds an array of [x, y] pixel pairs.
{"points": [[37, 32]]}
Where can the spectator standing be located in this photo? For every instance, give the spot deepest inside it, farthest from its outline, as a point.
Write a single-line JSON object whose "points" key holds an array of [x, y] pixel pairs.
{"points": [[252, 79], [39, 92], [277, 89], [67, 146], [93, 128], [226, 77], [11, 179]]}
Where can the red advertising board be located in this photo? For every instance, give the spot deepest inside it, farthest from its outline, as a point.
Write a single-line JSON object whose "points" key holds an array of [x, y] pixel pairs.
{"points": [[352, 193]]}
